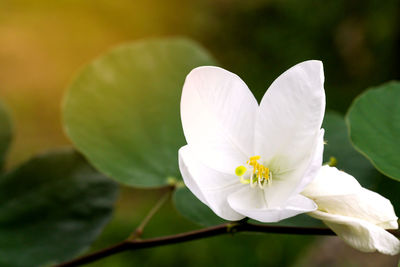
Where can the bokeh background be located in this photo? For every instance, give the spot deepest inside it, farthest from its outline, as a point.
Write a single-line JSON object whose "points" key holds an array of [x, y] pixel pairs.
{"points": [[43, 43]]}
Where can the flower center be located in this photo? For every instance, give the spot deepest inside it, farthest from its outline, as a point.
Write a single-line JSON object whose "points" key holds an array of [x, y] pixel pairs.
{"points": [[254, 173]]}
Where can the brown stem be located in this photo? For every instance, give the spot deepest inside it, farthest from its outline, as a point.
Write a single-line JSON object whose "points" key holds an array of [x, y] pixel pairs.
{"points": [[139, 230], [193, 235], [199, 234]]}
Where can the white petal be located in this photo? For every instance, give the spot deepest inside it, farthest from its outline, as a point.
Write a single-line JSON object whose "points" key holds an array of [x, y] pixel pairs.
{"points": [[360, 234], [281, 187], [210, 186], [218, 115], [331, 182], [251, 203], [187, 177], [389, 225], [315, 164], [378, 208], [289, 122], [365, 205]]}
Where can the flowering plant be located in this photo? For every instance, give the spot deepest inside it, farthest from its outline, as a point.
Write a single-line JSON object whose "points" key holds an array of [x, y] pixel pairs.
{"points": [[224, 127], [225, 160]]}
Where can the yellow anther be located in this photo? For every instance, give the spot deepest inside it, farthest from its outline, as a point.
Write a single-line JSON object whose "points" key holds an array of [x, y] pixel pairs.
{"points": [[254, 158], [240, 170]]}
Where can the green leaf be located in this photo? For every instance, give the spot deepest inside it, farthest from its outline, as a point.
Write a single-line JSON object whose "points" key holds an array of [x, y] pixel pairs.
{"points": [[374, 122], [193, 209], [52, 208], [122, 111], [5, 133]]}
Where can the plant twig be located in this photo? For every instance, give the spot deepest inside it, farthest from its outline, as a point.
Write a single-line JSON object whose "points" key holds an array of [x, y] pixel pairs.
{"points": [[133, 243], [139, 230], [198, 234]]}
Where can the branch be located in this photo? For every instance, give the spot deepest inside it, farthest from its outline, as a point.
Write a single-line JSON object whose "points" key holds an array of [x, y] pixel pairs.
{"points": [[199, 234], [139, 230], [193, 235]]}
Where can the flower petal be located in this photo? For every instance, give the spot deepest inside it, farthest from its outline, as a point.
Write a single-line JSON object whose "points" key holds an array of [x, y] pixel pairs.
{"points": [[251, 203], [218, 115], [210, 186], [280, 190], [289, 122], [331, 182], [315, 164], [187, 177], [356, 214], [365, 205], [360, 234]]}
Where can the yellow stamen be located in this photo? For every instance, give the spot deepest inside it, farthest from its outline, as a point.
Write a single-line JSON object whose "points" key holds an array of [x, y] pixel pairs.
{"points": [[260, 174]]}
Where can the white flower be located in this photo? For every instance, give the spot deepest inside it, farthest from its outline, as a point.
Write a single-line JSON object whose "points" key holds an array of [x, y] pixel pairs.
{"points": [[357, 215], [248, 160]]}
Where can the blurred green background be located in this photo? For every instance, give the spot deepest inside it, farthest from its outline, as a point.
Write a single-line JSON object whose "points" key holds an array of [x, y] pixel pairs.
{"points": [[43, 43]]}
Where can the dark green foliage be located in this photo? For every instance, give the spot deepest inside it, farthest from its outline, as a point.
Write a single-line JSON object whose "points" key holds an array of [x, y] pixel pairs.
{"points": [[52, 208], [374, 122]]}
